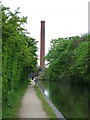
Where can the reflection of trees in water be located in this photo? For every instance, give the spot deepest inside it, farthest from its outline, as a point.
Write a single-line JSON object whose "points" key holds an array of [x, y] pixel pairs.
{"points": [[72, 101]]}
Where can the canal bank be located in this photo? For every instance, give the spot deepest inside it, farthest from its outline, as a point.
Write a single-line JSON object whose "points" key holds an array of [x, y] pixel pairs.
{"points": [[56, 111]]}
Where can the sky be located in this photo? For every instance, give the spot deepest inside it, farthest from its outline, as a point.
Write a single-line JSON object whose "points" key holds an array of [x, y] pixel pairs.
{"points": [[63, 18]]}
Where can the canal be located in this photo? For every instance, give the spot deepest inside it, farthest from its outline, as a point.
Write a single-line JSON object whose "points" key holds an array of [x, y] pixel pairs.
{"points": [[70, 100]]}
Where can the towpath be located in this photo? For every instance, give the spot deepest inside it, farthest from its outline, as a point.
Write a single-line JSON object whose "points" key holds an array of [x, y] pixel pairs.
{"points": [[31, 105]]}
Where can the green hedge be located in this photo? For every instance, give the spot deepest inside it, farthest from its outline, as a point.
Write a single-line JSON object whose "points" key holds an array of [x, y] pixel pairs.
{"points": [[18, 51]]}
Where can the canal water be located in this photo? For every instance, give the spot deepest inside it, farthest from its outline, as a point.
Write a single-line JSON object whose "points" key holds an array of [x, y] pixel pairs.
{"points": [[70, 100]]}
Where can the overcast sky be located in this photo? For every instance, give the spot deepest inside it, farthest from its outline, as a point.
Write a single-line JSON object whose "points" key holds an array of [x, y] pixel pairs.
{"points": [[63, 18]]}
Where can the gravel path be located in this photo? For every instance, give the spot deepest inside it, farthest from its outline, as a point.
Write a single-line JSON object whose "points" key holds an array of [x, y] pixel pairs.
{"points": [[31, 105]]}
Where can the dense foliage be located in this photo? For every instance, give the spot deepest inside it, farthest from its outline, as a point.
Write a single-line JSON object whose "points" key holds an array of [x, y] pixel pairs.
{"points": [[18, 52], [68, 60]]}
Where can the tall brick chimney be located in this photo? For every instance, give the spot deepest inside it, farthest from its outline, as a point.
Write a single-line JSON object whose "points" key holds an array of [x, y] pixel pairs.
{"points": [[42, 45]]}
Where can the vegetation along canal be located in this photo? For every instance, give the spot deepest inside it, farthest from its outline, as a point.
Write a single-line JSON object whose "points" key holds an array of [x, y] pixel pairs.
{"points": [[71, 101]]}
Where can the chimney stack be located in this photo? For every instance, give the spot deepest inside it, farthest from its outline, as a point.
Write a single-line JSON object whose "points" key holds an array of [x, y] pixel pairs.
{"points": [[42, 45]]}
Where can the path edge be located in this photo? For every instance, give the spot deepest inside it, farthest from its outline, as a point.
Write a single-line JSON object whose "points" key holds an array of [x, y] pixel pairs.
{"points": [[56, 111]]}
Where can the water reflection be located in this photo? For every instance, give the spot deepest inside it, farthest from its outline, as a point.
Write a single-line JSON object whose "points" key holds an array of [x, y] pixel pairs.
{"points": [[71, 101], [46, 92]]}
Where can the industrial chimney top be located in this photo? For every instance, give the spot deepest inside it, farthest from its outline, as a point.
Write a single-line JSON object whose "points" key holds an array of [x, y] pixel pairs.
{"points": [[42, 21]]}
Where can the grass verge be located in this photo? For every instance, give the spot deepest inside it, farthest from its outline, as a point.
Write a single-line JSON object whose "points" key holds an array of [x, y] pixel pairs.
{"points": [[46, 106], [14, 102]]}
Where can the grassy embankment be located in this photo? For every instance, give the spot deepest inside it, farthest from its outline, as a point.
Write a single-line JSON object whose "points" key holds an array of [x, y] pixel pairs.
{"points": [[46, 106], [11, 109]]}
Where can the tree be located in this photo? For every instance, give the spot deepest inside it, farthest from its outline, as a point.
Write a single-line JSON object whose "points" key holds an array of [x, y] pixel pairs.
{"points": [[18, 51], [68, 60]]}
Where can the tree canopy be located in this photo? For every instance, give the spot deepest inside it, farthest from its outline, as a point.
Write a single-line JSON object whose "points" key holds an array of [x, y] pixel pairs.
{"points": [[68, 60]]}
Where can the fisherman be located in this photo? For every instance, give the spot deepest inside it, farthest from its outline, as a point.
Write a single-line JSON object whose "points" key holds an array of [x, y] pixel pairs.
{"points": [[32, 77]]}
